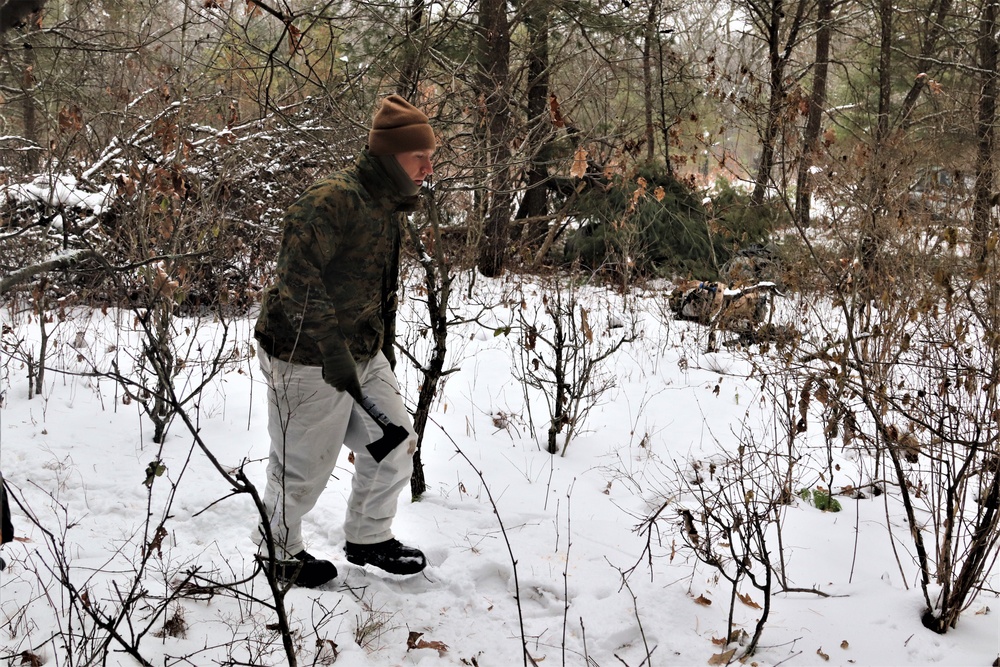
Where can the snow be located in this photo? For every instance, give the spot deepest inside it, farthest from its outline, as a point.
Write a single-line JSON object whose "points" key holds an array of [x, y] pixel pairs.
{"points": [[59, 190], [522, 545]]}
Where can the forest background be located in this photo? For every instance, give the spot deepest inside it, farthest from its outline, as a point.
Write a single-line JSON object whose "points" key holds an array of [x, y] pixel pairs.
{"points": [[149, 150]]}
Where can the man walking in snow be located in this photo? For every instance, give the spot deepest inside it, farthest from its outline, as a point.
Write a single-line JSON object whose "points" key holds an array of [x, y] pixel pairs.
{"points": [[325, 336]]}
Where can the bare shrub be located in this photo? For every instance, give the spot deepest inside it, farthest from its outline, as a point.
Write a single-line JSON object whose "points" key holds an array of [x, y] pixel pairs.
{"points": [[564, 356]]}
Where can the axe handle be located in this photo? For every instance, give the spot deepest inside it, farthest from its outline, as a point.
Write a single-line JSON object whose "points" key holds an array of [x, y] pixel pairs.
{"points": [[374, 412]]}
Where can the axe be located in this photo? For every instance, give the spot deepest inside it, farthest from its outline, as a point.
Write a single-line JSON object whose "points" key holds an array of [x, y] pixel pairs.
{"points": [[392, 434]]}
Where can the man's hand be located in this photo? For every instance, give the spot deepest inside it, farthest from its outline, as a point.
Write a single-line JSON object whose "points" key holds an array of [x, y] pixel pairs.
{"points": [[340, 371]]}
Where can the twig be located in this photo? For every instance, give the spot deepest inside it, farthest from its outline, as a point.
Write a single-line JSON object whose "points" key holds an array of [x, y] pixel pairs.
{"points": [[642, 633], [503, 531], [569, 543]]}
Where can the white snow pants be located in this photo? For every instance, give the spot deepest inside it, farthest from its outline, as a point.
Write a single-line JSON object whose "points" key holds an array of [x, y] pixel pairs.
{"points": [[308, 421]]}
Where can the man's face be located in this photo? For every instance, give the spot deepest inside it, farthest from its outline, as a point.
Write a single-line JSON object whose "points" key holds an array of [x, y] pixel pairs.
{"points": [[416, 164]]}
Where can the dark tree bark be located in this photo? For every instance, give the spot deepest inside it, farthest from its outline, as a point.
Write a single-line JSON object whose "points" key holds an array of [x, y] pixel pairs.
{"points": [[437, 280], [534, 204], [14, 13], [770, 17], [936, 16], [494, 106], [649, 35], [409, 75], [982, 219], [28, 114], [873, 238], [814, 120], [664, 125], [885, 11]]}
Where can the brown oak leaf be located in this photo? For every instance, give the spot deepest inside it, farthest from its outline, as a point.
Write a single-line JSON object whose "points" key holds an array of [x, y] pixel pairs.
{"points": [[415, 641]]}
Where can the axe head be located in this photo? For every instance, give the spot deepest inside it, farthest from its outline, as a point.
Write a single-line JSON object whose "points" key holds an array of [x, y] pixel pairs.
{"points": [[392, 436]]}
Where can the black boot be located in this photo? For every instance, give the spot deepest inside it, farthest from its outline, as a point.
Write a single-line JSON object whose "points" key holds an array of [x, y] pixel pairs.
{"points": [[391, 556], [305, 570]]}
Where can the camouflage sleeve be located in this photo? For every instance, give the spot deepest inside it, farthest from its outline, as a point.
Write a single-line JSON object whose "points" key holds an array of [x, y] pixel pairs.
{"points": [[390, 300], [313, 234], [389, 330]]}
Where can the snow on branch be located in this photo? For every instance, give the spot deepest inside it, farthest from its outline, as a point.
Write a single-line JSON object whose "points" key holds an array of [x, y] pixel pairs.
{"points": [[59, 262]]}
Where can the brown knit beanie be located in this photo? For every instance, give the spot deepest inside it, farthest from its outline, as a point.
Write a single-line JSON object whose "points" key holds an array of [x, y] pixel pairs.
{"points": [[399, 127]]}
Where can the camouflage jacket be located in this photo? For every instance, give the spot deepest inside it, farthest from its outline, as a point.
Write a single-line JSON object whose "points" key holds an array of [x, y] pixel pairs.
{"points": [[337, 269]]}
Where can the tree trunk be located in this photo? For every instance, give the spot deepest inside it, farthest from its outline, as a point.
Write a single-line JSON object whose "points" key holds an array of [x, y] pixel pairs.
{"points": [[437, 280], [926, 60], [982, 222], [777, 58], [534, 204], [647, 76], [494, 106], [873, 238], [409, 75], [775, 98], [28, 107], [664, 125], [814, 121], [884, 73]]}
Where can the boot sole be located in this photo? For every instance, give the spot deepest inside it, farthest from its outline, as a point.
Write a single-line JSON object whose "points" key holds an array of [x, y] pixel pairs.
{"points": [[361, 562]]}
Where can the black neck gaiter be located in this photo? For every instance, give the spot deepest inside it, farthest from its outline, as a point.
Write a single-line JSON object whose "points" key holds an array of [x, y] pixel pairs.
{"points": [[406, 184]]}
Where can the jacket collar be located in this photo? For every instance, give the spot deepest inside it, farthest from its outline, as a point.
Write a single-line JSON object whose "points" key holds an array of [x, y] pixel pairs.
{"points": [[380, 184]]}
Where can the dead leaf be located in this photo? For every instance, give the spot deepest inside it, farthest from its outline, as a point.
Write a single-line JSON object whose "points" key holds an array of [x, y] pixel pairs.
{"points": [[414, 641], [748, 601], [638, 193], [294, 39], [579, 168], [844, 645], [585, 325], [164, 284], [70, 119], [704, 601], [689, 526], [326, 650], [156, 544], [554, 113], [722, 658], [165, 132], [30, 659], [820, 653]]}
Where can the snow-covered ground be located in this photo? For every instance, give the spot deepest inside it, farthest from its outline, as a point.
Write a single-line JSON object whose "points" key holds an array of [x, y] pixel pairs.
{"points": [[526, 549]]}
